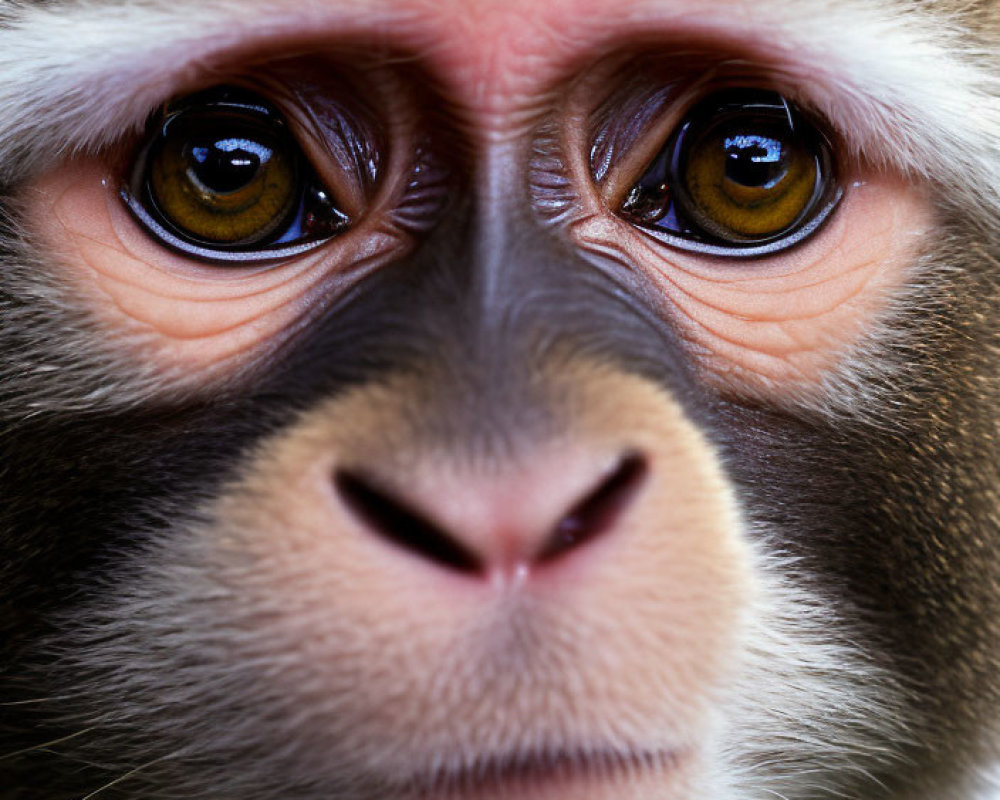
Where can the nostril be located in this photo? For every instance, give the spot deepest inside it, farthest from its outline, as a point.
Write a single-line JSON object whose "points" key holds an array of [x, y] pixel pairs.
{"points": [[597, 511], [392, 519]]}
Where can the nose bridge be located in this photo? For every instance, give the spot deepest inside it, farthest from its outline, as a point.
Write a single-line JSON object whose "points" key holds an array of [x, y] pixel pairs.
{"points": [[520, 279], [482, 307], [522, 273], [535, 289], [502, 220]]}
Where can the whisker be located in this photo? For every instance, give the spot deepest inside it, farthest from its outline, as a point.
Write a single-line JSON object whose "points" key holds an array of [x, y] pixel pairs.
{"points": [[44, 745], [33, 701], [122, 778]]}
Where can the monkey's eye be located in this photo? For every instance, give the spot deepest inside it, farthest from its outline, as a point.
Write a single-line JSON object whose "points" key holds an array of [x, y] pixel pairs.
{"points": [[222, 178], [744, 173]]}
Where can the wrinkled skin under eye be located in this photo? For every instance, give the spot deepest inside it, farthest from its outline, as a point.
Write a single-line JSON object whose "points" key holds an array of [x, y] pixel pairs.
{"points": [[743, 174], [775, 326], [764, 315], [203, 309], [223, 179]]}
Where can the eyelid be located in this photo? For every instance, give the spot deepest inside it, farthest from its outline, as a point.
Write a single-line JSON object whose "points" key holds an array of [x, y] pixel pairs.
{"points": [[327, 151], [672, 88], [623, 171], [209, 255], [628, 128], [748, 252], [344, 128]]}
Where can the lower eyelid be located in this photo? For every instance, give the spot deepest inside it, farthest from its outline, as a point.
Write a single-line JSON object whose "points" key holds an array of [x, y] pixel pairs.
{"points": [[774, 323], [93, 215], [186, 318]]}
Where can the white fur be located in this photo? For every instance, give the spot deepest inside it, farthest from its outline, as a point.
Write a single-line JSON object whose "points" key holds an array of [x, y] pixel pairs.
{"points": [[990, 780], [896, 81]]}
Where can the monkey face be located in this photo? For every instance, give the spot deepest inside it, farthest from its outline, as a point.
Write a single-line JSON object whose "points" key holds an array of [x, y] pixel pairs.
{"points": [[478, 400]]}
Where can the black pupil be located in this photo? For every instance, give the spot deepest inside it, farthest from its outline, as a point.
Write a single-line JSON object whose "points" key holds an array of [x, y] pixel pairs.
{"points": [[754, 159], [225, 165]]}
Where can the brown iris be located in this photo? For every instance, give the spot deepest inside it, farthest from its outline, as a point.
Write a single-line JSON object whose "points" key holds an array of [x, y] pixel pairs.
{"points": [[743, 169], [223, 180], [749, 178]]}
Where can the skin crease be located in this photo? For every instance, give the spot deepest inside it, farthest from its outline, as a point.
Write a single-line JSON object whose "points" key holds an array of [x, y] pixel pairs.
{"points": [[196, 318], [259, 640], [780, 323], [771, 326]]}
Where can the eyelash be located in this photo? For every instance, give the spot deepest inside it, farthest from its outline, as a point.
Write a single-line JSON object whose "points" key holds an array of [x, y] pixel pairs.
{"points": [[743, 173], [222, 130], [313, 217]]}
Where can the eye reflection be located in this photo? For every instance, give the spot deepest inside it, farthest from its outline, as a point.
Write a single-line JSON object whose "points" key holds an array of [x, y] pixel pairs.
{"points": [[228, 164], [753, 160], [743, 173], [223, 179]]}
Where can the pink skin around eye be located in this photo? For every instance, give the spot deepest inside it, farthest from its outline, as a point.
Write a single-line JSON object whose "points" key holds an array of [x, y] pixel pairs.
{"points": [[774, 326], [771, 324], [193, 320], [781, 323]]}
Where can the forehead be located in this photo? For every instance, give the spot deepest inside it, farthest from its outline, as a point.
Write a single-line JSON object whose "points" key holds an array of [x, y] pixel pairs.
{"points": [[498, 55], [871, 67], [497, 58], [500, 49]]}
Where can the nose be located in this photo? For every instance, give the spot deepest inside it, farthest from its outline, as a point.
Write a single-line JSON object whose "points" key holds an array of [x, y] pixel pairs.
{"points": [[497, 525]]}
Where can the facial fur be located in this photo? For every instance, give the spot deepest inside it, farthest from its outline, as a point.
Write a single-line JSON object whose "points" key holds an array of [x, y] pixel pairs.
{"points": [[493, 494]]}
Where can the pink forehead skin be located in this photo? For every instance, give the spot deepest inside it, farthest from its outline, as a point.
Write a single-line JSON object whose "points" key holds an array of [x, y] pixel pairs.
{"points": [[499, 53], [498, 58]]}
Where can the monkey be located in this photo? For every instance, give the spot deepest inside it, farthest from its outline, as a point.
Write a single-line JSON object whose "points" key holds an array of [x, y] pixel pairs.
{"points": [[479, 400]]}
